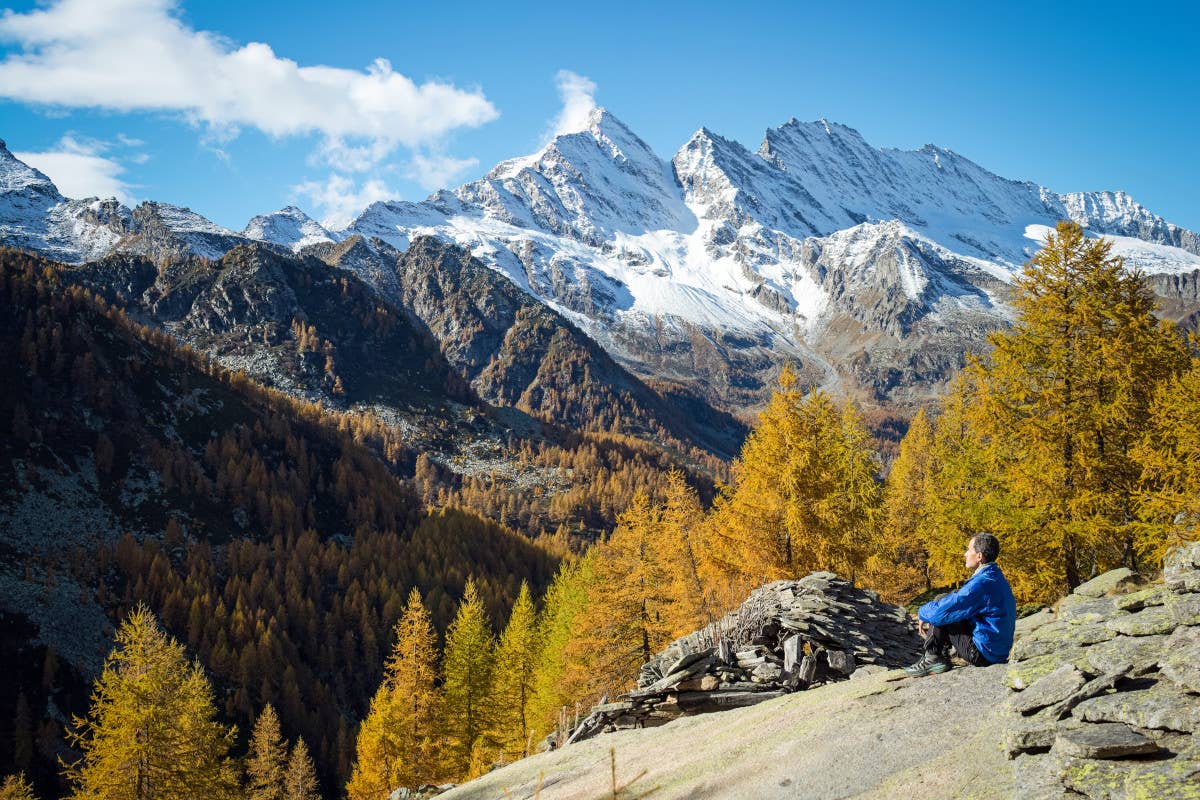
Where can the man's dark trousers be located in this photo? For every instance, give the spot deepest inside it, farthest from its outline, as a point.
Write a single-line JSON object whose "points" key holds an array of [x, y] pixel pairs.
{"points": [[941, 637]]}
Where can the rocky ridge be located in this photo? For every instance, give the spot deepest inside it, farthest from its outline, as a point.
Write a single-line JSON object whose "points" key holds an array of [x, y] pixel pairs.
{"points": [[1106, 689], [788, 636], [871, 269], [1100, 700]]}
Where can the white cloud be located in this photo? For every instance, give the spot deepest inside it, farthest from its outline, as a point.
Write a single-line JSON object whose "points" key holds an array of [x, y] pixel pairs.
{"points": [[339, 199], [577, 93], [79, 169], [435, 171], [137, 55]]}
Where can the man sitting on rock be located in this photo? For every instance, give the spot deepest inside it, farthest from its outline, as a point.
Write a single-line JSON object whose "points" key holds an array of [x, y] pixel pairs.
{"points": [[978, 619]]}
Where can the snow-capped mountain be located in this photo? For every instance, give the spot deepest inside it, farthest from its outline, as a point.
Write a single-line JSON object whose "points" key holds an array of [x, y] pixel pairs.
{"points": [[872, 268], [817, 247], [35, 216], [288, 227]]}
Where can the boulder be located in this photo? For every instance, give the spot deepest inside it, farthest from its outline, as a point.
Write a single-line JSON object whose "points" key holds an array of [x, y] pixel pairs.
{"points": [[1110, 582]]}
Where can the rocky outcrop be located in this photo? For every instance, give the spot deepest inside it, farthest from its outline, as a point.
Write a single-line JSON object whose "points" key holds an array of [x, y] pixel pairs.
{"points": [[1105, 696], [787, 636]]}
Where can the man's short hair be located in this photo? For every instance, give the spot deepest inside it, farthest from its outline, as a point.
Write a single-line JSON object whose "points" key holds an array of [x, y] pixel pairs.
{"points": [[987, 546]]}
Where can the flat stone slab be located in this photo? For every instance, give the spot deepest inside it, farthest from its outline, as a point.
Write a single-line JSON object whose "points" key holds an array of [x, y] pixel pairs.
{"points": [[1155, 595], [1110, 582], [1034, 732], [1142, 653], [1187, 582], [1023, 674], [1082, 608], [1026, 625], [1181, 658], [1048, 690], [1185, 609], [1038, 777], [1056, 636], [1105, 740], [1162, 706], [1175, 778], [1147, 622]]}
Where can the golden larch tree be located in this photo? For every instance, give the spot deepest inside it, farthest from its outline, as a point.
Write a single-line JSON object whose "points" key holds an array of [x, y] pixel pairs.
{"points": [[151, 732], [266, 759], [511, 698], [467, 667], [398, 741]]}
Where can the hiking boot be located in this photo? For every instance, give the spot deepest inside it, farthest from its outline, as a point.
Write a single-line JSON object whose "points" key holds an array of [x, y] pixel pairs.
{"points": [[929, 665]]}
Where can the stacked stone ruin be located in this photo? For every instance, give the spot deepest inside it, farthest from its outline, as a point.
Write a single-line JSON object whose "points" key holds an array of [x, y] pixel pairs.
{"points": [[787, 636], [1106, 689]]}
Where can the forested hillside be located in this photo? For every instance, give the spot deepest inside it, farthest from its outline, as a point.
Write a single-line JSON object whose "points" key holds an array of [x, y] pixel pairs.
{"points": [[274, 538], [287, 548]]}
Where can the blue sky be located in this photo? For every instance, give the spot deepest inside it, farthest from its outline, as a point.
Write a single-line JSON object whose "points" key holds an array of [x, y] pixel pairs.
{"points": [[240, 108]]}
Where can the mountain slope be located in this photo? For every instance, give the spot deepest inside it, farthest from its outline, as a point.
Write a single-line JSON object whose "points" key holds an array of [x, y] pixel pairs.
{"points": [[872, 269], [818, 248]]}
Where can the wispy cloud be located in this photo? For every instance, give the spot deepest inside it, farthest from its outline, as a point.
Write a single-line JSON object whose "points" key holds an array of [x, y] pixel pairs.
{"points": [[80, 168], [578, 99], [339, 198], [138, 55], [436, 171]]}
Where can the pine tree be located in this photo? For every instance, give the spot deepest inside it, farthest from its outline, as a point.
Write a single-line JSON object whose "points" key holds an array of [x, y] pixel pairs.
{"points": [[300, 778], [265, 761], [512, 681], [397, 742], [151, 731], [467, 666], [16, 787]]}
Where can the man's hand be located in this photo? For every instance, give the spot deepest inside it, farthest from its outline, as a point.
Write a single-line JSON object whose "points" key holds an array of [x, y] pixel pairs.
{"points": [[922, 627]]}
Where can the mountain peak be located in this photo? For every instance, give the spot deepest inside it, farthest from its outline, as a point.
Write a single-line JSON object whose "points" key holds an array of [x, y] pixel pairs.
{"points": [[289, 226], [16, 175]]}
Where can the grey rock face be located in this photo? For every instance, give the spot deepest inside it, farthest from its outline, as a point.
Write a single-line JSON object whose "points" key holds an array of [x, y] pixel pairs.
{"points": [[1108, 583], [788, 635], [1054, 688], [1130, 729]]}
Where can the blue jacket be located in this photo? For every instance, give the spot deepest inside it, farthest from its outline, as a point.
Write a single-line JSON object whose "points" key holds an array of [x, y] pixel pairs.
{"points": [[988, 600]]}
